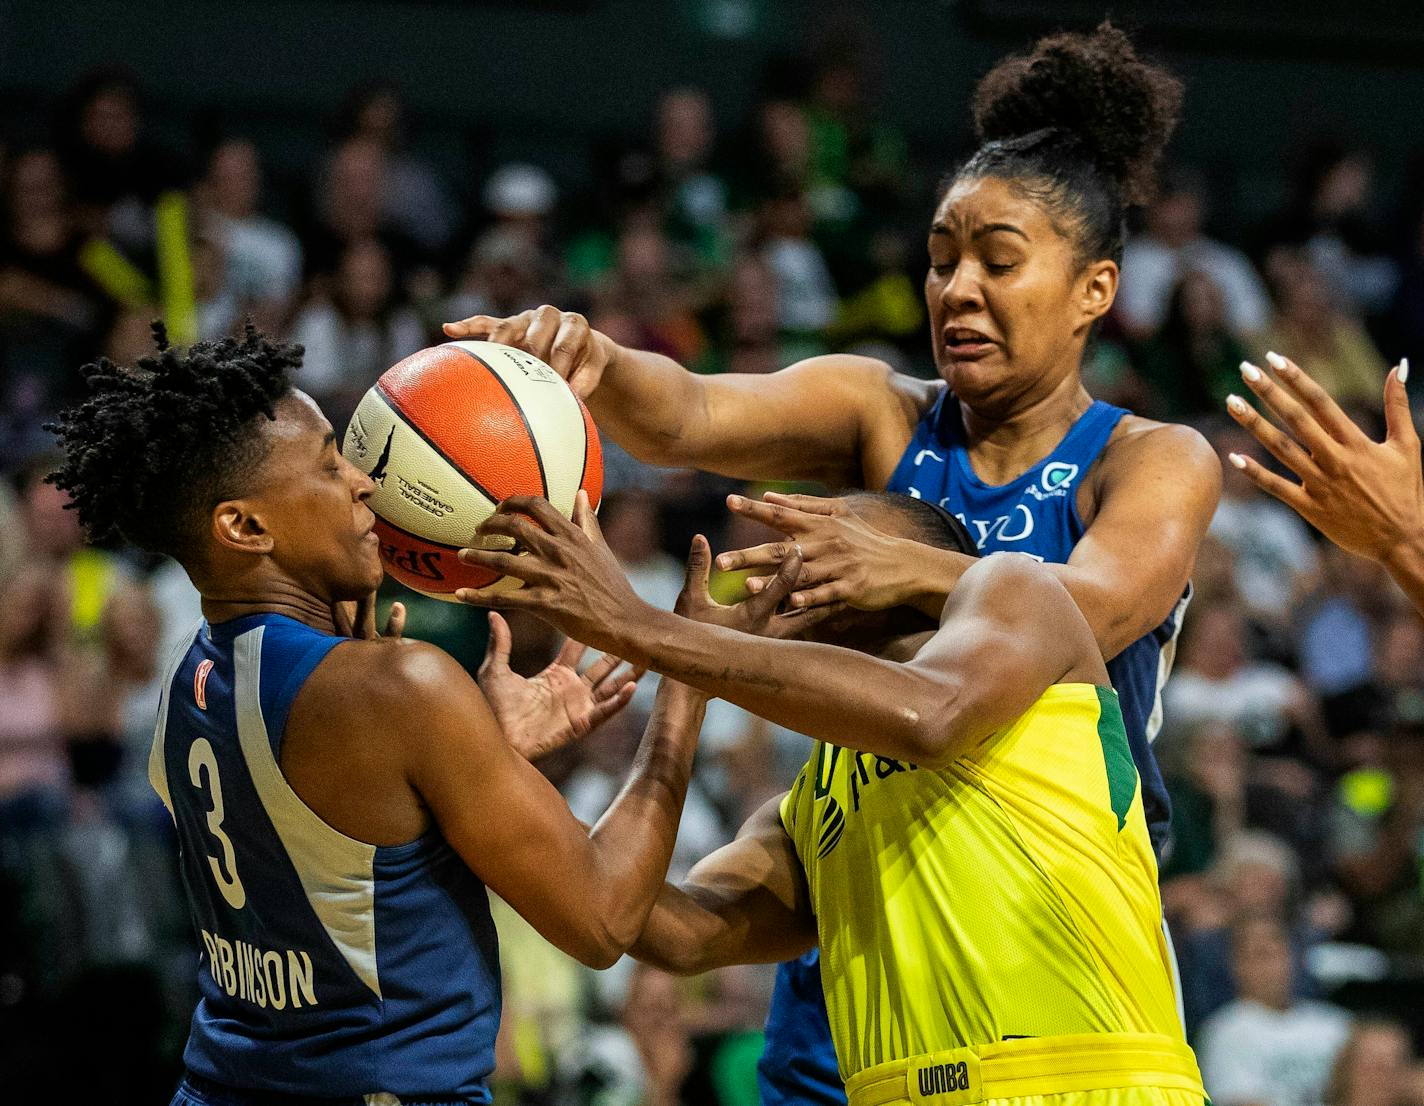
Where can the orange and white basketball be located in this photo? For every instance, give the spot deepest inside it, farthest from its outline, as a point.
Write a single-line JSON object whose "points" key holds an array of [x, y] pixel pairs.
{"points": [[451, 431]]}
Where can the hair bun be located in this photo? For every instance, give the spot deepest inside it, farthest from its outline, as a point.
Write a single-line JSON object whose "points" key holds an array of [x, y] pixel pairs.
{"points": [[1120, 107]]}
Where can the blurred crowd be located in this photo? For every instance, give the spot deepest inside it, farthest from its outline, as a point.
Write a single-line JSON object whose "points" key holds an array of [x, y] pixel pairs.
{"points": [[1294, 725]]}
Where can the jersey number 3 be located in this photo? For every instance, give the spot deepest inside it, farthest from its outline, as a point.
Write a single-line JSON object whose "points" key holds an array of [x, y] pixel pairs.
{"points": [[202, 760]]}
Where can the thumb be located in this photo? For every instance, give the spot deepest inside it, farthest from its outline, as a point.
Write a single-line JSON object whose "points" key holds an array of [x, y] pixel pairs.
{"points": [[1398, 419], [500, 642], [395, 621], [781, 585], [699, 569], [586, 518]]}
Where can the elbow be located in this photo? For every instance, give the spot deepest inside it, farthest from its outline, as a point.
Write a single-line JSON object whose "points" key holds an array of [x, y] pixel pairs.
{"points": [[599, 949], [930, 732]]}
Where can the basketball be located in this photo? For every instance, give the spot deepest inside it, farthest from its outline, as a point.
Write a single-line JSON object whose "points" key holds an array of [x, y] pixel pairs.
{"points": [[450, 432]]}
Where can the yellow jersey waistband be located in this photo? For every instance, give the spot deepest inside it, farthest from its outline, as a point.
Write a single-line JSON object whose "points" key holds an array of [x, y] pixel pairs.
{"points": [[1031, 1066]]}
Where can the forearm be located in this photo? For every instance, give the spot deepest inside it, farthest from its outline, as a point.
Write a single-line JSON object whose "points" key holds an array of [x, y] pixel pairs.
{"points": [[828, 693], [644, 403], [634, 839], [930, 574], [1405, 563]]}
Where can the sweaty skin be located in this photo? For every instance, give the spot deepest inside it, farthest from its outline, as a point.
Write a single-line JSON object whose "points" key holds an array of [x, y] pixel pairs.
{"points": [[999, 269], [387, 738]]}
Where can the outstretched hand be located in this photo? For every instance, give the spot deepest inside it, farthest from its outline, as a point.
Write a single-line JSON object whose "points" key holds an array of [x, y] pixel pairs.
{"points": [[560, 705], [845, 560], [1365, 496], [561, 339]]}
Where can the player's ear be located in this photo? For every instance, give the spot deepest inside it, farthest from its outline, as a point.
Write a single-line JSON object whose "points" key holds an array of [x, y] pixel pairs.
{"points": [[1098, 288], [238, 526]]}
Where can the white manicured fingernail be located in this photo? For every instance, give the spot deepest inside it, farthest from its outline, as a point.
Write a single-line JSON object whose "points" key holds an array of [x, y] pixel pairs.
{"points": [[1249, 372], [1236, 404], [1237, 461], [1404, 370], [1276, 360]]}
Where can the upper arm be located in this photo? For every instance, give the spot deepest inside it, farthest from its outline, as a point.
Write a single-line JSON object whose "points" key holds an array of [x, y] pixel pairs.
{"points": [[1010, 631], [746, 903], [1159, 489], [826, 418], [505, 820]]}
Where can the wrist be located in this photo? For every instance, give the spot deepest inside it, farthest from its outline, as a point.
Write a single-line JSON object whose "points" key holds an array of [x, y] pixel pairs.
{"points": [[925, 576], [1406, 557]]}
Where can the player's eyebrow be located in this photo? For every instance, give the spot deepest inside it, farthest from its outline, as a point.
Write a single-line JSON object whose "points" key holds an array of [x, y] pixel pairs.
{"points": [[992, 228], [330, 439]]}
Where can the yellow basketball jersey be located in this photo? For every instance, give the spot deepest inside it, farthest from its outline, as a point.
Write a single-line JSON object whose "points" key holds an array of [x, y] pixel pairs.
{"points": [[1011, 894]]}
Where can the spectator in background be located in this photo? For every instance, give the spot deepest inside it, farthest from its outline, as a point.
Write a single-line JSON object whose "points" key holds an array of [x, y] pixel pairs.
{"points": [[218, 308], [505, 275], [804, 289], [52, 311], [1335, 638], [696, 203], [1157, 261], [354, 334], [752, 343], [262, 256], [1275, 558], [1268, 1048], [1255, 875], [34, 766], [521, 198], [114, 168], [1218, 680], [349, 204], [413, 198], [1377, 843], [649, 297], [1193, 361], [1330, 217], [1310, 327], [1373, 1069]]}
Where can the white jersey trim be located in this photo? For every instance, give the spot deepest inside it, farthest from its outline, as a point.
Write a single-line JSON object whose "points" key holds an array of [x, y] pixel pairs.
{"points": [[1165, 658], [336, 872], [157, 766]]}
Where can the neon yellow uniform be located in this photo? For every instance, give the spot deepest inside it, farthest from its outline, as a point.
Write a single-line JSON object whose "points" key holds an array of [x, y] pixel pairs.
{"points": [[1010, 895]]}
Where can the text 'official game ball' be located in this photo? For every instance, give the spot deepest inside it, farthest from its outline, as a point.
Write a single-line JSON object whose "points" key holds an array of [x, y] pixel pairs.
{"points": [[451, 431]]}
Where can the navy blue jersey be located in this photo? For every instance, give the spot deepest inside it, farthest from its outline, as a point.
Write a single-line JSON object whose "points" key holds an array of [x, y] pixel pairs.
{"points": [[1036, 514], [328, 967]]}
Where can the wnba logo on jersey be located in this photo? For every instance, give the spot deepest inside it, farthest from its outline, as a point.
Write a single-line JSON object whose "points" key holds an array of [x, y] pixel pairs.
{"points": [[200, 684]]}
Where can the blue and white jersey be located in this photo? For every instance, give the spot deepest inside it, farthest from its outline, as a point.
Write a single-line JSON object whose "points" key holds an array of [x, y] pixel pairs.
{"points": [[1036, 514], [328, 967]]}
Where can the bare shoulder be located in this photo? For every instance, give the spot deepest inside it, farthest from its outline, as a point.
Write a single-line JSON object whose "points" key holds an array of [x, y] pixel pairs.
{"points": [[1013, 579], [388, 679], [1138, 441]]}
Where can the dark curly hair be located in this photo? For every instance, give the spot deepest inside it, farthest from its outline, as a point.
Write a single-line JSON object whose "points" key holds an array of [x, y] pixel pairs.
{"points": [[1078, 125], [152, 449]]}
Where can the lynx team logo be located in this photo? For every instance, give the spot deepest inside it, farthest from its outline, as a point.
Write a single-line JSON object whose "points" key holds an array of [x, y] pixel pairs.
{"points": [[1057, 477]]}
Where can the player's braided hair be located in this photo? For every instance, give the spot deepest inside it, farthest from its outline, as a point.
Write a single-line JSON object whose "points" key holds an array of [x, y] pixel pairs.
{"points": [[1078, 124], [153, 448]]}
